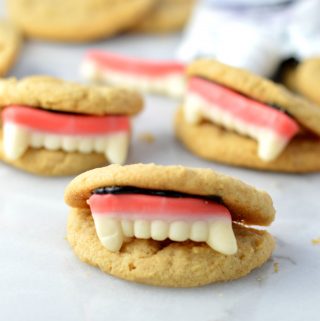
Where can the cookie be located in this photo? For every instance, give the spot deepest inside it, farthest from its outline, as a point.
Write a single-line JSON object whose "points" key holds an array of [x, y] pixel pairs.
{"points": [[168, 225], [59, 95], [76, 21], [304, 79], [167, 16], [53, 127], [168, 264], [149, 76], [10, 42], [233, 116]]}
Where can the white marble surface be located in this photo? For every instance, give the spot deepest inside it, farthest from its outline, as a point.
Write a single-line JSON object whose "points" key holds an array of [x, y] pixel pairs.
{"points": [[41, 279]]}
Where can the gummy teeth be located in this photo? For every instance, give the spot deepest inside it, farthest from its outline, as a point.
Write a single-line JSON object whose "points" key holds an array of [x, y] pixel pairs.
{"points": [[270, 144], [17, 139], [172, 84], [217, 233]]}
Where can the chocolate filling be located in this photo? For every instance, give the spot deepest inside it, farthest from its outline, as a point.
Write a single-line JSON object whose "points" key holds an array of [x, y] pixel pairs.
{"points": [[144, 191], [277, 107], [285, 65]]}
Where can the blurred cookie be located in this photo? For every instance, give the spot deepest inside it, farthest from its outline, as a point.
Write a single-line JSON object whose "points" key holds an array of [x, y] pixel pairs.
{"points": [[76, 20], [167, 16], [233, 116], [304, 78], [10, 42], [53, 127], [168, 225]]}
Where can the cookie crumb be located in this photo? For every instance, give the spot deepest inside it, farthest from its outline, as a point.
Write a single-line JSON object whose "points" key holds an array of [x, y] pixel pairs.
{"points": [[316, 241], [275, 267], [147, 137]]}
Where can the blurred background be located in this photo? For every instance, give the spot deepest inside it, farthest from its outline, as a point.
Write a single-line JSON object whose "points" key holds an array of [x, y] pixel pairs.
{"points": [[268, 37]]}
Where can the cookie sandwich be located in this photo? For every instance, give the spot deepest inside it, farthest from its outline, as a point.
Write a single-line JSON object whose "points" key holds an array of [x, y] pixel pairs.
{"points": [[159, 77], [168, 225], [166, 16], [76, 21], [304, 78], [232, 116], [54, 127], [10, 43]]}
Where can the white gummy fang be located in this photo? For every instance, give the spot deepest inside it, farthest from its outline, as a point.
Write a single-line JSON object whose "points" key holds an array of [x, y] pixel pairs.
{"points": [[221, 238], [15, 140], [117, 148], [110, 233]]}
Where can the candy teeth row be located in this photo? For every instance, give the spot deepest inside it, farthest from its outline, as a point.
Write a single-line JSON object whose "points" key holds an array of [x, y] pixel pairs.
{"points": [[218, 234], [17, 139], [270, 144], [172, 85]]}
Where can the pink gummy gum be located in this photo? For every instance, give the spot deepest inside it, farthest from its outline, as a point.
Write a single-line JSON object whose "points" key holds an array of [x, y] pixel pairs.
{"points": [[151, 207], [63, 123], [135, 66], [244, 108]]}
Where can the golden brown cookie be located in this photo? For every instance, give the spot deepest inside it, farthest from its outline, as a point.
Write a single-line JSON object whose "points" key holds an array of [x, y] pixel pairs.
{"points": [[168, 264], [10, 42], [166, 16], [304, 79], [76, 20], [233, 116], [255, 206], [260, 89], [92, 125], [165, 262], [59, 95], [217, 144]]}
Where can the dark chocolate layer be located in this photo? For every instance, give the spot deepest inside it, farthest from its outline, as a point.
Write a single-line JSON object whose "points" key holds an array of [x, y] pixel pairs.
{"points": [[144, 191], [274, 106]]}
